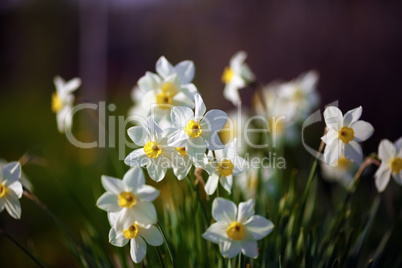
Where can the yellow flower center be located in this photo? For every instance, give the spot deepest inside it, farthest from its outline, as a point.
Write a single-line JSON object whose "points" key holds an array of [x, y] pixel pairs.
{"points": [[396, 165], [169, 88], [193, 129], [152, 149], [182, 151], [57, 104], [297, 94], [164, 100], [346, 134], [227, 75], [127, 199], [235, 231], [3, 190], [225, 168], [131, 232], [276, 126], [227, 133], [343, 163]]}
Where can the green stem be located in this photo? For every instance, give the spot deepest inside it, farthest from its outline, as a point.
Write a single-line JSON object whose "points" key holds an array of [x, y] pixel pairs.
{"points": [[168, 246], [21, 247], [239, 260]]}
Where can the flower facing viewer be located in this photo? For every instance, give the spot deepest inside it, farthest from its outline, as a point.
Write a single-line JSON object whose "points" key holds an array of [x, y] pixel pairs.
{"points": [[391, 163], [237, 229]]}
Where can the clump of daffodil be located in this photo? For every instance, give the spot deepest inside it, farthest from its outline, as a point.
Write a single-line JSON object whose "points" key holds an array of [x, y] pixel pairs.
{"points": [[157, 93], [223, 167], [391, 163], [155, 153], [11, 189], [129, 196], [62, 101], [344, 134], [196, 131], [237, 229], [236, 76]]}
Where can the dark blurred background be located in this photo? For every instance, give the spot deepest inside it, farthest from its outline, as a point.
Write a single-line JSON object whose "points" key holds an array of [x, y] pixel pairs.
{"points": [[355, 47]]}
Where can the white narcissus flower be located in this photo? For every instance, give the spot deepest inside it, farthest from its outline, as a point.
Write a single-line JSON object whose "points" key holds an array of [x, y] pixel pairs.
{"points": [[235, 77], [344, 134], [130, 196], [62, 101], [197, 130], [237, 229], [138, 234], [391, 163], [155, 153], [222, 169], [341, 171], [157, 93], [11, 189]]}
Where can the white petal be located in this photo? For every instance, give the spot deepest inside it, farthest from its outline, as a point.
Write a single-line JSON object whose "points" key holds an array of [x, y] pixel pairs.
{"points": [[216, 233], [227, 183], [398, 143], [237, 60], [352, 116], [353, 151], [11, 173], [246, 210], [72, 85], [386, 151], [249, 248], [153, 129], [231, 93], [333, 117], [180, 116], [229, 249], [182, 170], [117, 239], [212, 184], [138, 135], [152, 235], [224, 210], [382, 176], [332, 152], [185, 70], [331, 135], [196, 149], [112, 217], [398, 177], [155, 171], [147, 193], [149, 82], [240, 164], [259, 226], [163, 67], [134, 178], [200, 108], [108, 202], [13, 205], [138, 249], [213, 121], [2, 204], [137, 158], [362, 130], [17, 188], [113, 185], [178, 138]]}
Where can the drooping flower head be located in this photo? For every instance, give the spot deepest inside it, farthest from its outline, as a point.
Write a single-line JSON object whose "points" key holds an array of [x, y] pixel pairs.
{"points": [[391, 163], [237, 229], [11, 189], [62, 101], [197, 130], [222, 169], [236, 76], [344, 134]]}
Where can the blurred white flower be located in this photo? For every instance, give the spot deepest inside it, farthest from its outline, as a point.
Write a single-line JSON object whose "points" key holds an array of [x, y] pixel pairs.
{"points": [[130, 196], [197, 130], [344, 134], [138, 234], [11, 189], [23, 179], [391, 163], [62, 101], [157, 93], [237, 229], [156, 154], [341, 171], [222, 169], [235, 77]]}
